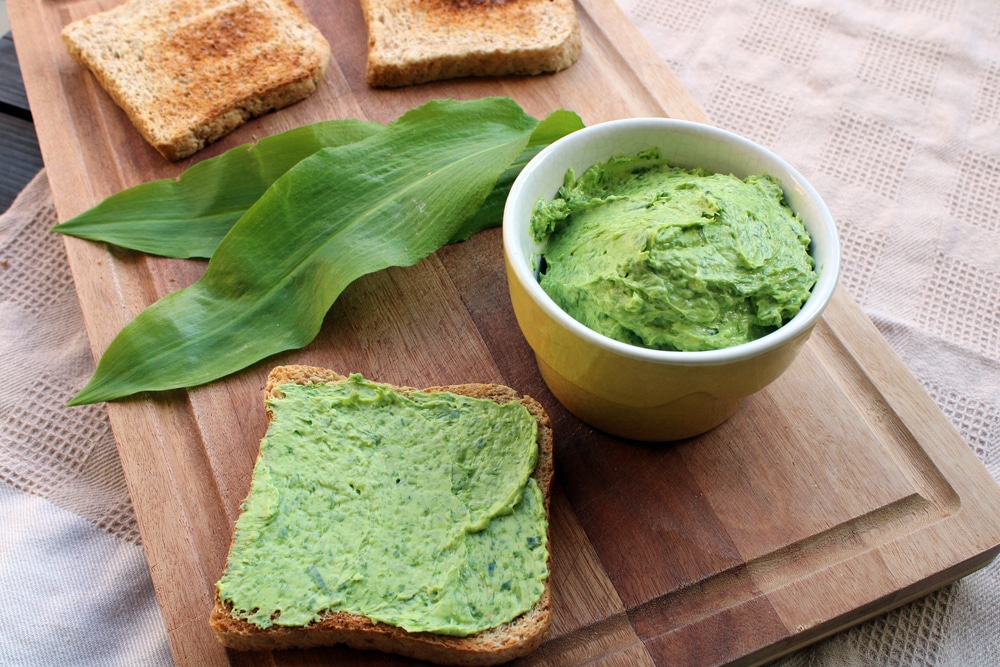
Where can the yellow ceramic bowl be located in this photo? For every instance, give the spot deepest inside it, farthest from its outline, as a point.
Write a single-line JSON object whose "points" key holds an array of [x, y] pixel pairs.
{"points": [[635, 392]]}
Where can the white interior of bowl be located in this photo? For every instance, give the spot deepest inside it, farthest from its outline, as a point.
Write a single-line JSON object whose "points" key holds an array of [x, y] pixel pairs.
{"points": [[683, 144]]}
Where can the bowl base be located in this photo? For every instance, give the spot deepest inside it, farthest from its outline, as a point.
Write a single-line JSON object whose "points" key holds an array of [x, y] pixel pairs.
{"points": [[684, 417]]}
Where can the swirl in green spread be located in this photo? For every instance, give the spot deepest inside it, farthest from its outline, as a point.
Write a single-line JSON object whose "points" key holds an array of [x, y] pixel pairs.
{"points": [[418, 511], [673, 259]]}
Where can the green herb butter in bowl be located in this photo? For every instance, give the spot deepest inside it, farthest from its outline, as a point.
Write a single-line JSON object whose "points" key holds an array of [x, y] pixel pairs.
{"points": [[663, 271]]}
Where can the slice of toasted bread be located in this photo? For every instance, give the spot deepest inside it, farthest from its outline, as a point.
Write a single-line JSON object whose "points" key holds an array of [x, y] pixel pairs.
{"points": [[188, 72], [415, 41], [493, 646]]}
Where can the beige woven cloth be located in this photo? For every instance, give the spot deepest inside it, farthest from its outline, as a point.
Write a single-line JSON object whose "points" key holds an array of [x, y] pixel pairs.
{"points": [[891, 108], [74, 584]]}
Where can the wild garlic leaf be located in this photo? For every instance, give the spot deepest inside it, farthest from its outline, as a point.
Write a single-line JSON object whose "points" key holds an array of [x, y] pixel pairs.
{"points": [[187, 216], [557, 124], [388, 200]]}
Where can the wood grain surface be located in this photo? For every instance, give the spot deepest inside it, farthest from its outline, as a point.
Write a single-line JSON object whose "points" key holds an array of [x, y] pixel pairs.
{"points": [[837, 493]]}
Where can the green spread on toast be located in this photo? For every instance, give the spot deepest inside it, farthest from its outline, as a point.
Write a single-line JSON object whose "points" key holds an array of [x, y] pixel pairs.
{"points": [[673, 259], [417, 511]]}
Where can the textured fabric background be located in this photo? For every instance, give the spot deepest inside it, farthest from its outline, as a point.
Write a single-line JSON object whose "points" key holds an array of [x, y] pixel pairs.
{"points": [[891, 108], [74, 584]]}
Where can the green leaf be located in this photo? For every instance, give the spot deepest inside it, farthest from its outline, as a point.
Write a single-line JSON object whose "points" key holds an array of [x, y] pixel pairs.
{"points": [[554, 126], [388, 200], [187, 216]]}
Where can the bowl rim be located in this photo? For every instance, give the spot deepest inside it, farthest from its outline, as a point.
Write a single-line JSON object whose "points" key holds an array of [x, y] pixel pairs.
{"points": [[801, 323]]}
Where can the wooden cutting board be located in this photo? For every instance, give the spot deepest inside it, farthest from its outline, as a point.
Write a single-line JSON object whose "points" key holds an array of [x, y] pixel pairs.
{"points": [[837, 493]]}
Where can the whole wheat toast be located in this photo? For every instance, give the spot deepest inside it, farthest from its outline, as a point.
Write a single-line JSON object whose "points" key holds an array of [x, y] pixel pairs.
{"points": [[510, 640], [415, 41], [188, 72]]}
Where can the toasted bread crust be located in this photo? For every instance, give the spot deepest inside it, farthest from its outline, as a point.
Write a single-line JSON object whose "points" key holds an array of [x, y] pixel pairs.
{"points": [[188, 72], [415, 41], [519, 637]]}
